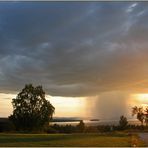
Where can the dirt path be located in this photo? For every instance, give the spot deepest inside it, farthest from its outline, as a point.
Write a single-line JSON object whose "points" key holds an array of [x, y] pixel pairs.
{"points": [[144, 137]]}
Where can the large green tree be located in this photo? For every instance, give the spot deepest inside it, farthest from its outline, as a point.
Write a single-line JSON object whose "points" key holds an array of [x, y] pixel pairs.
{"points": [[31, 111]]}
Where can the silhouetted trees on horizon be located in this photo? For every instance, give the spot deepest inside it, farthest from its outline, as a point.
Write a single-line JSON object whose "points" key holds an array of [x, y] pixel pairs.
{"points": [[141, 114]]}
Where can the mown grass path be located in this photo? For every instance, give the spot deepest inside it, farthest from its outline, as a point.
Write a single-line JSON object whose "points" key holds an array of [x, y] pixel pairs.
{"points": [[144, 137], [69, 140]]}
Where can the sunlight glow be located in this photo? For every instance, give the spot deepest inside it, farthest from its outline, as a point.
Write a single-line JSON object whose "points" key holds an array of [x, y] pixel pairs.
{"points": [[5, 104], [68, 106], [142, 99]]}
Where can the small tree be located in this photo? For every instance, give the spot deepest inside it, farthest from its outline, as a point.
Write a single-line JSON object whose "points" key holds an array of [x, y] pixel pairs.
{"points": [[139, 112], [31, 111], [123, 123], [81, 126]]}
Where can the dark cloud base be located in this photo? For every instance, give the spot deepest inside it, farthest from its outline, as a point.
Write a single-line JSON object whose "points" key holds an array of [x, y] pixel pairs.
{"points": [[74, 48]]}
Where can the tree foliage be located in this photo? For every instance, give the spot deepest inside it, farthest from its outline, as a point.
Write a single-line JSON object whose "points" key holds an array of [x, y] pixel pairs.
{"points": [[123, 123], [81, 126], [31, 111], [141, 113]]}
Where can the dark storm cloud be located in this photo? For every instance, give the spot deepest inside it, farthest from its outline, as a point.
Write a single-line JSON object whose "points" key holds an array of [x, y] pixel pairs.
{"points": [[74, 48]]}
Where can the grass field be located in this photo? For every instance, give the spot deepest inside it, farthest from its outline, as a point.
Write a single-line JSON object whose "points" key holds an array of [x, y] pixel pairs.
{"points": [[70, 140]]}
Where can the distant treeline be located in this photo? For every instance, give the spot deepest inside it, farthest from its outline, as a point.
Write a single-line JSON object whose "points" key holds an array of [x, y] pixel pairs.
{"points": [[93, 129], [7, 126]]}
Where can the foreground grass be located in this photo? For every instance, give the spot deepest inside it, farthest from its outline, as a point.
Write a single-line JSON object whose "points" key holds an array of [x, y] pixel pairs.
{"points": [[69, 140]]}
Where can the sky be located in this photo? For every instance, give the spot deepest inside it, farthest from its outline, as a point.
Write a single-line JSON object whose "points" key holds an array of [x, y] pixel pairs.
{"points": [[92, 56]]}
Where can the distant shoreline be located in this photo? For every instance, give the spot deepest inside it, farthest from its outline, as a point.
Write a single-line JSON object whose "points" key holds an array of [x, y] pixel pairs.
{"points": [[65, 120]]}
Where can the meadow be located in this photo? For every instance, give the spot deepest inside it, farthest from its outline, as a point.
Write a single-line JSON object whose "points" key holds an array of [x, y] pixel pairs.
{"points": [[70, 140]]}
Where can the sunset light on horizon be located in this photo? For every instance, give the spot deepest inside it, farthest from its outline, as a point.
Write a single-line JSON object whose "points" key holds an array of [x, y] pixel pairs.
{"points": [[81, 107]]}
